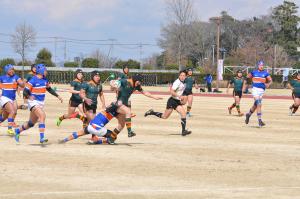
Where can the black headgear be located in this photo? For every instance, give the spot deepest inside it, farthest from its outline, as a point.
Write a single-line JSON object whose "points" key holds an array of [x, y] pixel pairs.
{"points": [[94, 73], [77, 72], [124, 68]]}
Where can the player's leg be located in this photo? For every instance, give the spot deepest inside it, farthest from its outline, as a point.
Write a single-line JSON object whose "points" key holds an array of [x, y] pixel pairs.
{"points": [[40, 113], [237, 102], [190, 103], [33, 118], [233, 105], [182, 114], [80, 108], [296, 105], [259, 111], [9, 108], [73, 136], [127, 112]]}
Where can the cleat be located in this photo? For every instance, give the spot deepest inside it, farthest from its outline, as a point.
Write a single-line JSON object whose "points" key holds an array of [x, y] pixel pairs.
{"points": [[17, 135], [133, 115], [10, 132], [131, 134], [148, 112], [241, 114], [58, 122], [229, 110], [91, 142], [186, 132], [110, 141], [291, 111], [188, 114], [261, 123], [247, 118], [43, 140]]}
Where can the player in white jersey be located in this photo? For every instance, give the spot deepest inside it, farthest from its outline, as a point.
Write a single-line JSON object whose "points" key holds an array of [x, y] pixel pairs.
{"points": [[175, 102]]}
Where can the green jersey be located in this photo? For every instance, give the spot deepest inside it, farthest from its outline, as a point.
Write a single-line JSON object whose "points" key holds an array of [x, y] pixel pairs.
{"points": [[126, 89], [295, 83], [92, 91], [189, 81], [28, 76], [123, 76], [238, 83], [77, 85]]}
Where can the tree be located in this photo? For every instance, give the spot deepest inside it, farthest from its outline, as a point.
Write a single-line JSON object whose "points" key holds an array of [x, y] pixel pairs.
{"points": [[26, 63], [23, 40], [90, 63], [287, 19], [44, 57], [104, 60], [6, 61], [174, 34], [131, 64], [71, 64]]}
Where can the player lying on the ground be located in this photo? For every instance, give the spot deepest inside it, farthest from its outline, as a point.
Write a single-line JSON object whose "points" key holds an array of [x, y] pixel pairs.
{"points": [[97, 127], [295, 86], [175, 102]]}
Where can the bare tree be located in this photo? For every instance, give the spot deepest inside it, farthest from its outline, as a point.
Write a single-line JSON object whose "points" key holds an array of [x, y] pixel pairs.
{"points": [[23, 40], [180, 14], [104, 60]]}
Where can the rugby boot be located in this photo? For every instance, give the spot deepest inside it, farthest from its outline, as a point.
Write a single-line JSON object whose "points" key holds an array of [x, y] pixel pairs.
{"points": [[150, 112], [186, 132]]}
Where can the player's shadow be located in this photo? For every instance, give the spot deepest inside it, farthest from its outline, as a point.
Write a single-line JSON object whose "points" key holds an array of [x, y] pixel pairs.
{"points": [[41, 145]]}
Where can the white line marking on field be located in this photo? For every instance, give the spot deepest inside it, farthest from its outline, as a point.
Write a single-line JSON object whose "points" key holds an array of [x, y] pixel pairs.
{"points": [[146, 191]]}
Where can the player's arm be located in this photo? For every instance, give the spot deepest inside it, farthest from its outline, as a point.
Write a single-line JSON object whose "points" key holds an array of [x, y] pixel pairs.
{"points": [[82, 94], [148, 94], [290, 86], [21, 83], [71, 88], [229, 84], [269, 81], [27, 91], [102, 99], [53, 92]]}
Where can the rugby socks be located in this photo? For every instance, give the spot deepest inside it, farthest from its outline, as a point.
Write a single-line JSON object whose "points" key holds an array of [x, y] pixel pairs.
{"points": [[294, 108], [232, 106], [259, 116], [10, 122], [42, 130], [115, 133], [183, 124], [128, 124], [157, 114], [188, 110], [61, 118], [78, 116], [71, 137], [238, 108], [250, 112]]}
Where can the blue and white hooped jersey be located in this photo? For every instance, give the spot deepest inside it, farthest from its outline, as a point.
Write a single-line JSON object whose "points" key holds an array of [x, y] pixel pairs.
{"points": [[102, 119], [37, 88], [259, 78], [9, 85]]}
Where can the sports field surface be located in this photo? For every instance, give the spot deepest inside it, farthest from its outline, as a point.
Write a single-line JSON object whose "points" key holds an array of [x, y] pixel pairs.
{"points": [[222, 158]]}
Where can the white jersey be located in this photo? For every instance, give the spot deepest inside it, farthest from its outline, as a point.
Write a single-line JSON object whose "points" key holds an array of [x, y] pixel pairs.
{"points": [[178, 86]]}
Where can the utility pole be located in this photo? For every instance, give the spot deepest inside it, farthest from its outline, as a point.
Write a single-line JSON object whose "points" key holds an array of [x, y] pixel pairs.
{"points": [[217, 20], [110, 51], [65, 51], [55, 42], [141, 52], [213, 54]]}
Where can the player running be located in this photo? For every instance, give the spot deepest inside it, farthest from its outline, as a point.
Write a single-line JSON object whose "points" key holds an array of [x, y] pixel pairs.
{"points": [[238, 82], [35, 92], [89, 92], [261, 80], [28, 76], [9, 84], [175, 102], [125, 89], [295, 86], [75, 100], [190, 82], [97, 128]]}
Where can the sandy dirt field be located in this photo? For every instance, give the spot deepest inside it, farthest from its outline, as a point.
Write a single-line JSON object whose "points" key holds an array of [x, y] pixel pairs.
{"points": [[222, 158]]}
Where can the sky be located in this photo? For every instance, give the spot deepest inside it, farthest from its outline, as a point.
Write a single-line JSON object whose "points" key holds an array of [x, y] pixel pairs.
{"points": [[122, 22]]}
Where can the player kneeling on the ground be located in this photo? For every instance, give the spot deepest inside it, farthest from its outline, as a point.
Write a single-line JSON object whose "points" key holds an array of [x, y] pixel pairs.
{"points": [[175, 102], [97, 127]]}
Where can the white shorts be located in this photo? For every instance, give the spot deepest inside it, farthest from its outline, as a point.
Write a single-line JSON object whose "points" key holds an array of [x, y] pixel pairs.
{"points": [[33, 103], [4, 100], [101, 132], [257, 92]]}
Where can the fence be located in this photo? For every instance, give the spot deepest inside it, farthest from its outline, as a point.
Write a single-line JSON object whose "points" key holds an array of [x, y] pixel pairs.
{"points": [[247, 69]]}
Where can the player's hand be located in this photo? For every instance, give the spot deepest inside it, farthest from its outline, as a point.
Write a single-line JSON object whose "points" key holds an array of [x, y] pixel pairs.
{"points": [[31, 97], [267, 85], [103, 107], [61, 99], [88, 101]]}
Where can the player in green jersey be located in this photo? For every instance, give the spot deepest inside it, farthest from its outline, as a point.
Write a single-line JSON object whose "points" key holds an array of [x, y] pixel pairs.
{"points": [[295, 86]]}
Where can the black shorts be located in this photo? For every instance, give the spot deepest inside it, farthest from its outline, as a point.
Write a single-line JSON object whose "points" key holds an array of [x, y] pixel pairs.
{"points": [[87, 107], [74, 103], [173, 103], [187, 92], [238, 93]]}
